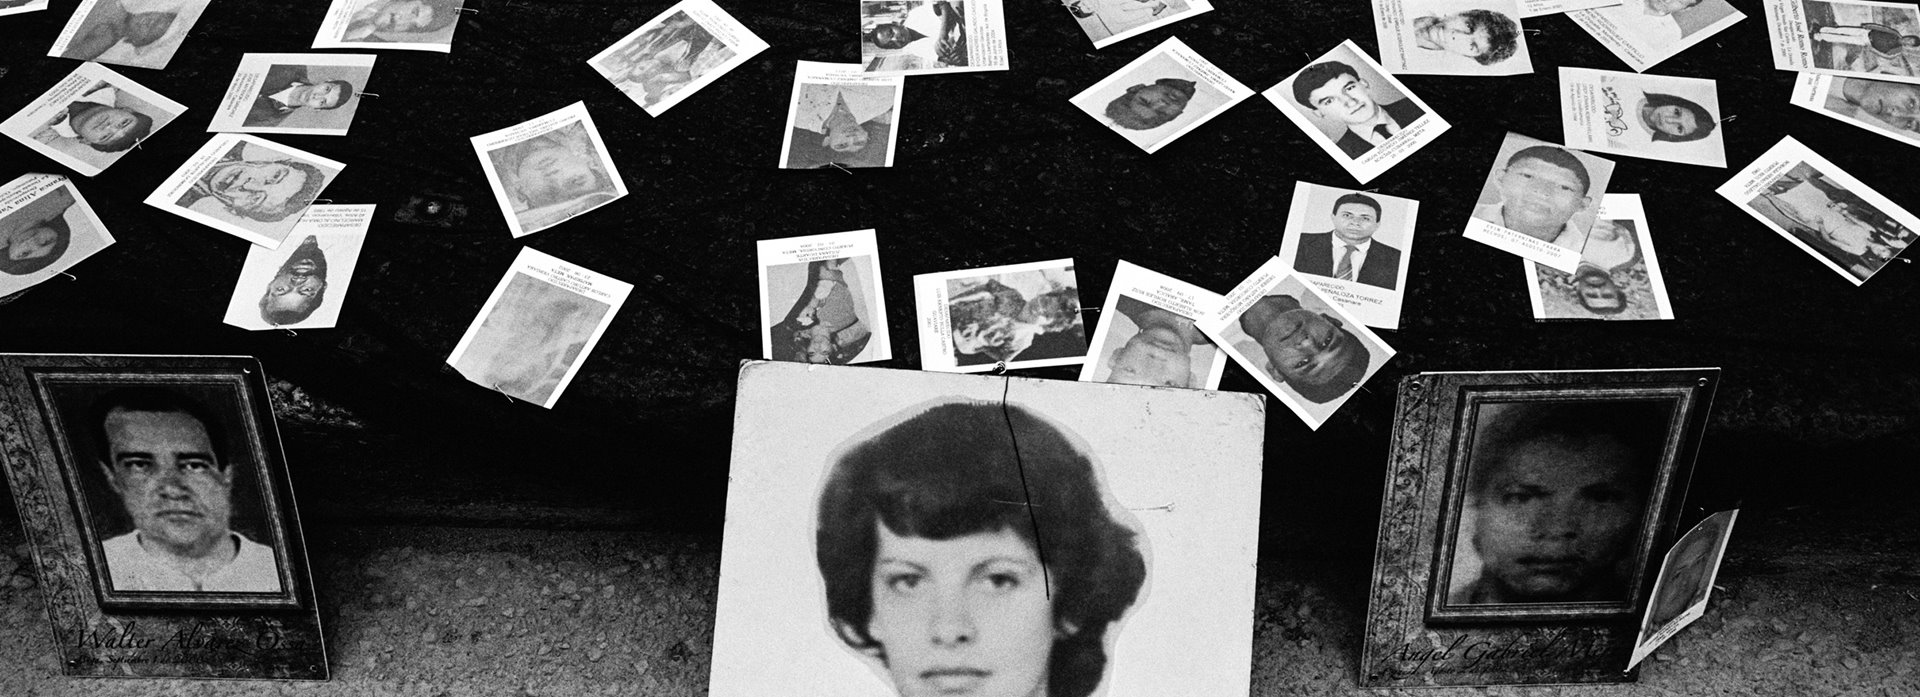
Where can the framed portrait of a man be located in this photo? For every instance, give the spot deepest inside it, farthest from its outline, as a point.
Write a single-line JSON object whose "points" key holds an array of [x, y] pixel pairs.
{"points": [[940, 534], [159, 503], [1524, 512]]}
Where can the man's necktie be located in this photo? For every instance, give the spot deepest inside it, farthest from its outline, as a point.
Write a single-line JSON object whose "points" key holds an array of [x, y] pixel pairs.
{"points": [[1345, 272], [1382, 130]]}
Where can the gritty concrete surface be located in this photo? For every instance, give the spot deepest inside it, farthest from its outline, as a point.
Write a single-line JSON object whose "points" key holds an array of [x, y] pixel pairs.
{"points": [[457, 612]]}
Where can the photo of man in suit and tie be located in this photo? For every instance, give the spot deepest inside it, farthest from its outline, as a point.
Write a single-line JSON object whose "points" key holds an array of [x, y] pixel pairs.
{"points": [[287, 89], [1348, 252], [1334, 93]]}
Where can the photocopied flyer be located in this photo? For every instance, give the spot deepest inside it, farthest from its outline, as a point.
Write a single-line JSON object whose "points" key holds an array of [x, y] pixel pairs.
{"points": [[1845, 37], [424, 25], [549, 169], [1354, 247], [674, 55], [1821, 209], [91, 118], [1452, 37], [821, 301], [841, 117], [46, 227], [1356, 111], [1658, 117], [246, 186], [103, 31], [927, 37], [1301, 346], [538, 327], [1146, 334], [1161, 95], [302, 284], [1013, 316], [1539, 202], [310, 93], [1642, 33], [1618, 277], [1891, 109]]}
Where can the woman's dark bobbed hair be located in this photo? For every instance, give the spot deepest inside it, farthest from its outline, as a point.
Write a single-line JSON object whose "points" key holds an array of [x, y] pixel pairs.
{"points": [[957, 469]]}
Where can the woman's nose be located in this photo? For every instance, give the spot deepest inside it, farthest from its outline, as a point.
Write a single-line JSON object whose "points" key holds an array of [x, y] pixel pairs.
{"points": [[952, 623]]}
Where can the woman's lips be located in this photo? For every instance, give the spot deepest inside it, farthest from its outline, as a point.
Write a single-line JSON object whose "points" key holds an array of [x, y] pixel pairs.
{"points": [[955, 680]]}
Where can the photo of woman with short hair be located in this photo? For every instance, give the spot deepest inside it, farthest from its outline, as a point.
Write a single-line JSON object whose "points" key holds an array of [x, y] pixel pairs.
{"points": [[969, 550], [908, 533]]}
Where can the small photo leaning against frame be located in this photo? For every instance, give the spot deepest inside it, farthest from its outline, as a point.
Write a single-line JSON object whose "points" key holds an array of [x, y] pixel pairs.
{"points": [[158, 502], [1523, 512]]}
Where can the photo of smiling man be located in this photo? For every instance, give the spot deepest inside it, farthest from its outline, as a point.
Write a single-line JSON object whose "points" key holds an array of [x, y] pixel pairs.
{"points": [[1364, 118], [245, 186]]}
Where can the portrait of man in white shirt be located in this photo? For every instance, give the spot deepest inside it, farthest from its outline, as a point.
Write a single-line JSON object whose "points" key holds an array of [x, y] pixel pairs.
{"points": [[163, 457]]}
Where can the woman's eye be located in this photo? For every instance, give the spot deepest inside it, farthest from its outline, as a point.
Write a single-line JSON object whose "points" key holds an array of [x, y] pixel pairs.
{"points": [[1003, 581], [901, 583]]}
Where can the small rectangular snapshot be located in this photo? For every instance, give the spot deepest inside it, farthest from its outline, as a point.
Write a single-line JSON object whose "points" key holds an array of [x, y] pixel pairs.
{"points": [[1013, 316], [821, 300]]}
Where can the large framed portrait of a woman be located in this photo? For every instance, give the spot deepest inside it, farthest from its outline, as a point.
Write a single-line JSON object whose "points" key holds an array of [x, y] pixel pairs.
{"points": [[1521, 521], [936, 534]]}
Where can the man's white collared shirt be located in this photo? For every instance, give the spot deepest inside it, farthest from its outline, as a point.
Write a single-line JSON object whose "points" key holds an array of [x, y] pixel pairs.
{"points": [[130, 567]]}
